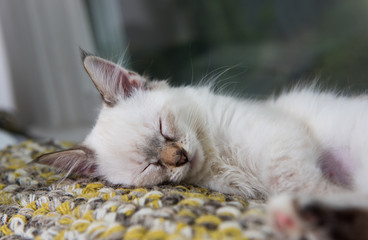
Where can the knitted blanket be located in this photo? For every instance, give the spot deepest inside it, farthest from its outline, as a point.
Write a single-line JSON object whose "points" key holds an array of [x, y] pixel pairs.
{"points": [[38, 202]]}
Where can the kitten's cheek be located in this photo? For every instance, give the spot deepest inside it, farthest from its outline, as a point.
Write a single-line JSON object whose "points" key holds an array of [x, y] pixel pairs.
{"points": [[194, 160]]}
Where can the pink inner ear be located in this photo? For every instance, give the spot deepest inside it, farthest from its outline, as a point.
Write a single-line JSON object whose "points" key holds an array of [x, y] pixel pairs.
{"points": [[133, 81], [125, 83], [78, 160], [85, 168], [76, 166], [125, 80]]}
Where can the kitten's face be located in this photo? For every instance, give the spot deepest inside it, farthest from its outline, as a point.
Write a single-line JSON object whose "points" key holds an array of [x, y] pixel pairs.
{"points": [[144, 142], [145, 133]]}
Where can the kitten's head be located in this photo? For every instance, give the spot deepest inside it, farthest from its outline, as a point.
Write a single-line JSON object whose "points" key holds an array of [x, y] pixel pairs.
{"points": [[146, 133]]}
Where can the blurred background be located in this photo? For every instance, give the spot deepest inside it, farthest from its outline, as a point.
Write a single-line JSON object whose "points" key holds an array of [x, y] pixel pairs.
{"points": [[256, 47]]}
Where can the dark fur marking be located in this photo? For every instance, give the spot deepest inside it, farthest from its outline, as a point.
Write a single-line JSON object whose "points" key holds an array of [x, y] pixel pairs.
{"points": [[337, 223], [152, 148]]}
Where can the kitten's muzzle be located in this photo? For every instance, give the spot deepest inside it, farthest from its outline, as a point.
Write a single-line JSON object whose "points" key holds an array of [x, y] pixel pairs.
{"points": [[174, 156]]}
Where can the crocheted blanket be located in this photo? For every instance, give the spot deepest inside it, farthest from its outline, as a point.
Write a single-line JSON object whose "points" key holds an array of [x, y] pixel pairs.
{"points": [[38, 202]]}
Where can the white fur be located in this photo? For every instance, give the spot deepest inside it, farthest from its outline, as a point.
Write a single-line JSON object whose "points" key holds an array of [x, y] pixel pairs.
{"points": [[337, 122], [252, 148], [304, 141]]}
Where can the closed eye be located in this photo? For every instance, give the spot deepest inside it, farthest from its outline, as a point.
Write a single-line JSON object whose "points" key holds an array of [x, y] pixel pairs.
{"points": [[157, 163], [146, 167], [164, 135]]}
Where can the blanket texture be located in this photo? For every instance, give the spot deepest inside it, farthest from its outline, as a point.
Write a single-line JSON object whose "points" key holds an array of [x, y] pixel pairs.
{"points": [[39, 202]]}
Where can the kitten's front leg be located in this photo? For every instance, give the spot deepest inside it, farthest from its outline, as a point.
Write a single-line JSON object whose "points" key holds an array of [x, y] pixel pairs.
{"points": [[338, 217]]}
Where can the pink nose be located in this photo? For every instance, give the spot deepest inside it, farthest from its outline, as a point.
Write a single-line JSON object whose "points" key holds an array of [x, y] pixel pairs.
{"points": [[173, 155]]}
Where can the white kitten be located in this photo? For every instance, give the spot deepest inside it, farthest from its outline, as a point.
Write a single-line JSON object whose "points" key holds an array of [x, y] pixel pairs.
{"points": [[147, 133]]}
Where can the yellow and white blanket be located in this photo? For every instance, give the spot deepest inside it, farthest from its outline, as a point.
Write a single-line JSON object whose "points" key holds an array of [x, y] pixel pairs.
{"points": [[38, 202]]}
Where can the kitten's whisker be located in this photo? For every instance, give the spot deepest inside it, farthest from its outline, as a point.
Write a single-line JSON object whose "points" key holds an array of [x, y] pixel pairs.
{"points": [[210, 78]]}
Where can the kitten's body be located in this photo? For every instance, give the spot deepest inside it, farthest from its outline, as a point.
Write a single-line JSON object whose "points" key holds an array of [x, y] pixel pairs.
{"points": [[147, 133], [253, 148], [339, 124]]}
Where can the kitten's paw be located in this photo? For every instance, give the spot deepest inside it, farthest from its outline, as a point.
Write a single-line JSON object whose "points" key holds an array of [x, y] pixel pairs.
{"points": [[317, 218], [283, 217]]}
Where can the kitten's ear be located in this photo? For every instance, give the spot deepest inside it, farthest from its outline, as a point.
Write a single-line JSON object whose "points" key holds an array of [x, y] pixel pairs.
{"points": [[79, 160], [111, 80]]}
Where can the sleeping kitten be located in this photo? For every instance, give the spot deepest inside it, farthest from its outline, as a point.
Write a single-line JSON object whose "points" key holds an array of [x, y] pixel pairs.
{"points": [[147, 133]]}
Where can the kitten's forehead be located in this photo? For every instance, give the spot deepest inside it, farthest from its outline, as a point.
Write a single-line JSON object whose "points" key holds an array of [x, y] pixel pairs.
{"points": [[124, 131], [134, 124]]}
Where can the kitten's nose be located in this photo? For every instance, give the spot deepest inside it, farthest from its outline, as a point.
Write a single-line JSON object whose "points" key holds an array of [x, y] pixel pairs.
{"points": [[174, 156], [181, 158]]}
